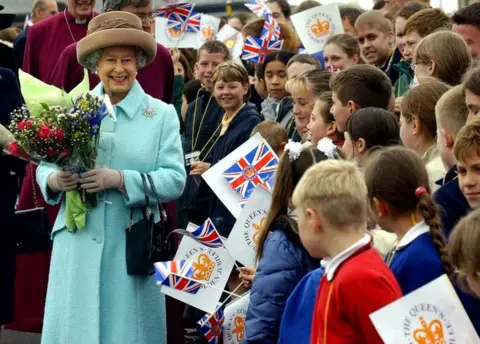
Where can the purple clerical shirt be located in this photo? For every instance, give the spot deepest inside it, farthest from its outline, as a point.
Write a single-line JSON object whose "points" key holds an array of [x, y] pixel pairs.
{"points": [[156, 78], [46, 41]]}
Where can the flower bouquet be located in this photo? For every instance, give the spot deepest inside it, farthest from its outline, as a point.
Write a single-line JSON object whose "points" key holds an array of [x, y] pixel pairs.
{"points": [[65, 136]]}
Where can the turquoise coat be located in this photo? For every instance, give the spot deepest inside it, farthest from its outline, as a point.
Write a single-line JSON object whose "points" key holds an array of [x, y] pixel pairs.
{"points": [[90, 298]]}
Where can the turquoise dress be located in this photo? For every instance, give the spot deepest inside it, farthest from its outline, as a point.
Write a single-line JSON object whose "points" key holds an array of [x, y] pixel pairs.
{"points": [[91, 299]]}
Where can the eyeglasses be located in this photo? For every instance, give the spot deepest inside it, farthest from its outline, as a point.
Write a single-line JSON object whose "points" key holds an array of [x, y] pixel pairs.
{"points": [[147, 16]]}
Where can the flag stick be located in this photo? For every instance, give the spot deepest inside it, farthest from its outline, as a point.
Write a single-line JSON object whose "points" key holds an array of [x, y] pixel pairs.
{"points": [[224, 302], [206, 285]]}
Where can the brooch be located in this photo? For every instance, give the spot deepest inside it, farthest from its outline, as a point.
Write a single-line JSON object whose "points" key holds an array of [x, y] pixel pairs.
{"points": [[149, 111]]}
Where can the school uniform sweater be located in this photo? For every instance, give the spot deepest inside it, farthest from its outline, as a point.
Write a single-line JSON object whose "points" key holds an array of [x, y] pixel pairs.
{"points": [[356, 283]]}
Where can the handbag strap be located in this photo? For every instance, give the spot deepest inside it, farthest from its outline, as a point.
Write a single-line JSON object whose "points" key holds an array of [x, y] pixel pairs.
{"points": [[163, 213], [145, 209]]}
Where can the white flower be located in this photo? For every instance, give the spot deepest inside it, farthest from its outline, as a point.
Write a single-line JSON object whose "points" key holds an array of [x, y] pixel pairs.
{"points": [[327, 147], [293, 149]]}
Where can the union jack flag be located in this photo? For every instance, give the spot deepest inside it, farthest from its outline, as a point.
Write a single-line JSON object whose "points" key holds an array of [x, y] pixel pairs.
{"points": [[268, 185], [255, 49], [178, 13], [192, 25], [271, 29], [211, 326], [177, 274], [258, 7], [254, 168], [207, 234]]}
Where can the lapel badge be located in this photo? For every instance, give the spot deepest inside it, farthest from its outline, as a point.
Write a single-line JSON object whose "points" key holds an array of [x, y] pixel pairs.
{"points": [[149, 112]]}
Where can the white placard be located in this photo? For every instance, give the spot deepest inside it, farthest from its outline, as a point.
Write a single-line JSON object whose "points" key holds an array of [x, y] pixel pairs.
{"points": [[235, 315], [243, 240], [171, 38], [232, 38], [217, 182], [316, 25], [433, 310], [209, 26], [211, 266]]}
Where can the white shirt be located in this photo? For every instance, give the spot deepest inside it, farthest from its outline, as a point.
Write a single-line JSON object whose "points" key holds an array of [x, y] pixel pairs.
{"points": [[336, 261], [413, 233]]}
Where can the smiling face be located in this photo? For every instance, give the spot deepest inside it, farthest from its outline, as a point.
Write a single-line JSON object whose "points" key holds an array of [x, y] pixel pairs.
{"points": [[230, 95], [469, 178], [81, 8], [117, 69], [336, 59], [375, 45], [471, 35], [275, 79], [207, 62]]}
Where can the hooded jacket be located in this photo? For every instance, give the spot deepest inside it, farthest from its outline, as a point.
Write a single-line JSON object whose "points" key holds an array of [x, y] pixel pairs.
{"points": [[237, 133], [281, 112]]}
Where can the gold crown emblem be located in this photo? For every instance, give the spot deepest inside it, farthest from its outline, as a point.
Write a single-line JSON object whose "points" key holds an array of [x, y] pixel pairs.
{"points": [[257, 229], [239, 330], [429, 333], [174, 32], [320, 28], [203, 268], [208, 33], [249, 172], [230, 43]]}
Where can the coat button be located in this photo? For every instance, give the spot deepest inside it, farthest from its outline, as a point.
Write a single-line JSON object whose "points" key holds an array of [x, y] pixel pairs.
{"points": [[99, 240]]}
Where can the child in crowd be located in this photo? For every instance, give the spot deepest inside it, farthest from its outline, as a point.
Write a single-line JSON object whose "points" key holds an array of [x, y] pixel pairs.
{"points": [[238, 20], [278, 106], [375, 35], [275, 135], [404, 66], [464, 248], [358, 87], [340, 52], [419, 127], [349, 16], [332, 210], [451, 113], [322, 123], [301, 63], [259, 82], [399, 192], [435, 57], [304, 90], [368, 129], [287, 34], [282, 260], [231, 87]]}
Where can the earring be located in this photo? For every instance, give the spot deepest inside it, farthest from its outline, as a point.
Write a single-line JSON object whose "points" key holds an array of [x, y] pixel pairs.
{"points": [[96, 72]]}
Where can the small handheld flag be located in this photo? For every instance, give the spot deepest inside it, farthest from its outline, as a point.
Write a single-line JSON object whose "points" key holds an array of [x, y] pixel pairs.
{"points": [[255, 49], [178, 13], [206, 234], [258, 7], [271, 29], [177, 274], [211, 326]]}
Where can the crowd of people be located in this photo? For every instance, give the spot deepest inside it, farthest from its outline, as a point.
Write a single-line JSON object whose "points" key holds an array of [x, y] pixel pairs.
{"points": [[375, 195]]}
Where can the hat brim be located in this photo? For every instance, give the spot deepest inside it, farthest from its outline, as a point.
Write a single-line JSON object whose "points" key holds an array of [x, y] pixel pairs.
{"points": [[116, 37], [6, 20]]}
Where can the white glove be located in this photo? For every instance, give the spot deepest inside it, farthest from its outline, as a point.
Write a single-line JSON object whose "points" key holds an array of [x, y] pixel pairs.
{"points": [[100, 179], [62, 181]]}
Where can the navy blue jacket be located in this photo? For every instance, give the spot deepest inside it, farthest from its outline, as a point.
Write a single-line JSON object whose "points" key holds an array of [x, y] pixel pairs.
{"points": [[238, 132], [453, 205], [195, 198], [19, 49], [283, 264]]}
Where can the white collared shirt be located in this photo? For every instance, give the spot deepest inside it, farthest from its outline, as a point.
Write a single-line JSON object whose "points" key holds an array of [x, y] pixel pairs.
{"points": [[335, 262], [413, 233]]}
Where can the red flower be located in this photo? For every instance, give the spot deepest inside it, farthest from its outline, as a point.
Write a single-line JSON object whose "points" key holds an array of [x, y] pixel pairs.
{"points": [[29, 123], [65, 153], [15, 149], [21, 125], [59, 135], [50, 151], [44, 131]]}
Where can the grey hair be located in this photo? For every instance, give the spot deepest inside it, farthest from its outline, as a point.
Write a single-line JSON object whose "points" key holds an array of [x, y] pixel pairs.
{"points": [[92, 58], [118, 5]]}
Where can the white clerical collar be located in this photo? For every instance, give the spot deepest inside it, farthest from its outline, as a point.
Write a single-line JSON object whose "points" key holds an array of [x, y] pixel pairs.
{"points": [[413, 233], [336, 261], [80, 21]]}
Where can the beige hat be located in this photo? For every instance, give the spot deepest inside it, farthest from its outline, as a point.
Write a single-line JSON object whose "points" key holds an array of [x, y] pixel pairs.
{"points": [[113, 29]]}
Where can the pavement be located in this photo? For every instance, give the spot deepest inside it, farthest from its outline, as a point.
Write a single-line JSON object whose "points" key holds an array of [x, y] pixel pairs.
{"points": [[15, 337]]}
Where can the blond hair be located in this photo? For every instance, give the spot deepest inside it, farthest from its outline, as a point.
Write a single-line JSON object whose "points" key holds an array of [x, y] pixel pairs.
{"points": [[464, 245], [229, 72], [450, 53], [374, 19], [451, 110], [336, 190], [317, 79], [467, 141]]}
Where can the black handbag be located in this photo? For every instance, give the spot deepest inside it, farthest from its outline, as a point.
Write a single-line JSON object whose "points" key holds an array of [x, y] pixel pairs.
{"points": [[32, 229], [147, 242]]}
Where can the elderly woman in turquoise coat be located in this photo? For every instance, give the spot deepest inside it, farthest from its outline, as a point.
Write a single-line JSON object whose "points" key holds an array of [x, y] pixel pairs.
{"points": [[91, 298]]}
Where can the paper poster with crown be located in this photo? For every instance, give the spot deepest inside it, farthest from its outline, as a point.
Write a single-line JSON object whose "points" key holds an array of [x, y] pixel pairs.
{"points": [[316, 25], [232, 38], [210, 266], [234, 323], [209, 26], [170, 36], [243, 239], [430, 314], [234, 177]]}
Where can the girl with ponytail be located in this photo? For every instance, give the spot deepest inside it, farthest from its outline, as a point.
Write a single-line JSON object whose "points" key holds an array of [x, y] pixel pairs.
{"points": [[399, 193]]}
